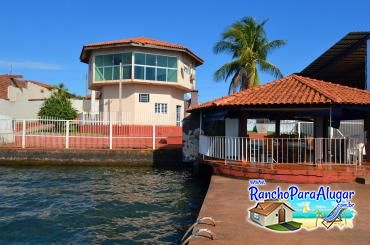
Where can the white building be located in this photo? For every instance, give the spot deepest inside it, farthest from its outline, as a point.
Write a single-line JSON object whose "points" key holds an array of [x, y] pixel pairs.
{"points": [[141, 78]]}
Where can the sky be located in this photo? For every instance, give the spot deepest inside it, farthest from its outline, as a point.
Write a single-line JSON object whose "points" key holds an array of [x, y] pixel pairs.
{"points": [[42, 40]]}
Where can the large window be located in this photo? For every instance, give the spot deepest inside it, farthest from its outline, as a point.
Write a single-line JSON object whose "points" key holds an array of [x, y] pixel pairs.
{"points": [[155, 67], [113, 66]]}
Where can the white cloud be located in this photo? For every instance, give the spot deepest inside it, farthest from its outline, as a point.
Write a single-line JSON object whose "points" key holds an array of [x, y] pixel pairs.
{"points": [[30, 65]]}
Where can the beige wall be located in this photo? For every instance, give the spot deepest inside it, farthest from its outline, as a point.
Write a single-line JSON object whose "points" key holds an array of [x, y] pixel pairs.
{"points": [[138, 112], [184, 68], [25, 103]]}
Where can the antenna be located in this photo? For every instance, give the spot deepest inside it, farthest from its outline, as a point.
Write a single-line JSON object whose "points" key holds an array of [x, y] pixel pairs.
{"points": [[11, 69]]}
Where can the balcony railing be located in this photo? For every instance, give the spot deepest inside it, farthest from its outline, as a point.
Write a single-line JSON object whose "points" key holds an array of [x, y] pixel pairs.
{"points": [[282, 150]]}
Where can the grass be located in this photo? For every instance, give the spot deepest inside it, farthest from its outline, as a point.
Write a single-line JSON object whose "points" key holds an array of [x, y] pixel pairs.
{"points": [[295, 224], [278, 227]]}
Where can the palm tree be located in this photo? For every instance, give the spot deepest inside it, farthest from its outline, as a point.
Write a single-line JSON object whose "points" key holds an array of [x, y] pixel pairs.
{"points": [[319, 214], [246, 41]]}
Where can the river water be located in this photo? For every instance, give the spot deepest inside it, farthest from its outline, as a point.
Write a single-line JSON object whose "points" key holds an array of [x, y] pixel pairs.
{"points": [[126, 205]]}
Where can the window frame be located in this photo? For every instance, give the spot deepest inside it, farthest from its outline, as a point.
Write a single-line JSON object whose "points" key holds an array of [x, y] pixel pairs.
{"points": [[144, 94], [161, 108], [156, 66], [112, 66]]}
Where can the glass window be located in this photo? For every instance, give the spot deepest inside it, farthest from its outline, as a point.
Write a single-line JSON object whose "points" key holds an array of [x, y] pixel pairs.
{"points": [[139, 58], [107, 67], [126, 72], [139, 72], [117, 59], [171, 75], [160, 108], [144, 98], [172, 62], [150, 73], [108, 60], [127, 58], [256, 216], [98, 74], [150, 60], [108, 73], [116, 73], [162, 61], [161, 74], [99, 60]]}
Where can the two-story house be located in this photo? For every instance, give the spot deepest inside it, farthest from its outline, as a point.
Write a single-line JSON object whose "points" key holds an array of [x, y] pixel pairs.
{"points": [[141, 79]]}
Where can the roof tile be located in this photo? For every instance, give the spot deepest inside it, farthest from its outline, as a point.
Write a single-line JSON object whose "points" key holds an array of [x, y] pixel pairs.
{"points": [[292, 90]]}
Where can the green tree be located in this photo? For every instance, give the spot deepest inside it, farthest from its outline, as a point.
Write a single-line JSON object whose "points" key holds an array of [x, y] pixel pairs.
{"points": [[58, 104], [248, 45]]}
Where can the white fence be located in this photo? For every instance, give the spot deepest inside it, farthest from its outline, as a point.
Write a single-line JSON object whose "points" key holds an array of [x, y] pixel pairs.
{"points": [[85, 134], [282, 150]]}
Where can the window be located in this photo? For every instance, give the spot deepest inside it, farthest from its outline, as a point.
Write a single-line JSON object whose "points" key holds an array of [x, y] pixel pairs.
{"points": [[178, 115], [155, 67], [256, 216], [160, 108], [144, 98], [113, 66]]}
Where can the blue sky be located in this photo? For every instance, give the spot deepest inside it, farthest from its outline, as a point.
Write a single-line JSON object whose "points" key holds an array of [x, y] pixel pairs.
{"points": [[43, 39]]}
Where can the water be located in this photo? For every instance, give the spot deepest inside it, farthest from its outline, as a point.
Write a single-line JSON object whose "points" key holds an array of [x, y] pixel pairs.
{"points": [[97, 204]]}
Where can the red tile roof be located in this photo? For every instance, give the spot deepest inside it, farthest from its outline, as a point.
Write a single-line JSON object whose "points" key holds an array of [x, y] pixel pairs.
{"points": [[8, 80], [138, 41], [292, 90], [266, 208]]}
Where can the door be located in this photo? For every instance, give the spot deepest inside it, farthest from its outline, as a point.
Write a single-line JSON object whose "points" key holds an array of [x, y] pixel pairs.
{"points": [[232, 144], [281, 215]]}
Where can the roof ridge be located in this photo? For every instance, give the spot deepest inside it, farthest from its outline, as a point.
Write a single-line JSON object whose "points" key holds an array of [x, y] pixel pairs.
{"points": [[324, 93]]}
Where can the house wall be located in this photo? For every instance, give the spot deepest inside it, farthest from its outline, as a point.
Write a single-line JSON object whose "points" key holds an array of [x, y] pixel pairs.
{"points": [[260, 221], [273, 218], [184, 63], [25, 103], [142, 113]]}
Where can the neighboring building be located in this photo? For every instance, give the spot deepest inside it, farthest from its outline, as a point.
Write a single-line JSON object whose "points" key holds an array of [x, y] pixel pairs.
{"points": [[347, 62], [271, 213], [141, 79], [24, 98]]}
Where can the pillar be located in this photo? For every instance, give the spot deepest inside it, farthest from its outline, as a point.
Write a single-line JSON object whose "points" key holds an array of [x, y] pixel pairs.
{"points": [[320, 131], [277, 127], [243, 121]]}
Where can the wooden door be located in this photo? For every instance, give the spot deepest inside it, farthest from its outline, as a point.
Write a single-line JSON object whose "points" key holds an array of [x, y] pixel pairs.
{"points": [[281, 215]]}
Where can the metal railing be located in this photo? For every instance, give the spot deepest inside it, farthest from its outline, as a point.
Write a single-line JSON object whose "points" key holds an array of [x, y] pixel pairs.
{"points": [[85, 134], [307, 150]]}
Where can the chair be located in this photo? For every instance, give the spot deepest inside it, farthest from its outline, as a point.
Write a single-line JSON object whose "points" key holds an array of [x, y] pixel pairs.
{"points": [[356, 153], [334, 216]]}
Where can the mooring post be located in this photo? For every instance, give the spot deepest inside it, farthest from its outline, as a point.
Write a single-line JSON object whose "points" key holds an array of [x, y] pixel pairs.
{"points": [[67, 134], [110, 135], [24, 134], [153, 136]]}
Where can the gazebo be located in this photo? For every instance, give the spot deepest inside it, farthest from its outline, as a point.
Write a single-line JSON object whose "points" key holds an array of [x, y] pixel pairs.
{"points": [[223, 123]]}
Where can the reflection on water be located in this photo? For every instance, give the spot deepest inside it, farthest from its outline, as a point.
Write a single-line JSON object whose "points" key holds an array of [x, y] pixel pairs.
{"points": [[97, 204]]}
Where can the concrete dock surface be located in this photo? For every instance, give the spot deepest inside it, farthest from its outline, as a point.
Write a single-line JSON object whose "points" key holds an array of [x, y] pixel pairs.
{"points": [[227, 202]]}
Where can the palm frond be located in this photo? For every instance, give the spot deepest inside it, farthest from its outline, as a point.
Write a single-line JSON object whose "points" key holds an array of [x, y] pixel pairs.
{"points": [[270, 68]]}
